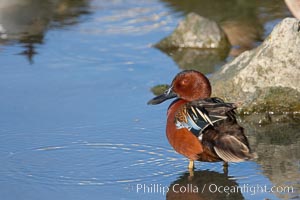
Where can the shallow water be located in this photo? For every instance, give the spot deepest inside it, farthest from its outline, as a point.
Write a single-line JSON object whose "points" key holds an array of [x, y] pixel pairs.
{"points": [[74, 82]]}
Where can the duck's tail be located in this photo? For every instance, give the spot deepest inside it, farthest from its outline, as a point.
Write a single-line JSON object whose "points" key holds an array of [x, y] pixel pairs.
{"points": [[231, 149]]}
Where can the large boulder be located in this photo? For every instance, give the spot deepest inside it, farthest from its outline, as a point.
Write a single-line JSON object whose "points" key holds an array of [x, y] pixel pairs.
{"points": [[196, 32], [265, 79]]}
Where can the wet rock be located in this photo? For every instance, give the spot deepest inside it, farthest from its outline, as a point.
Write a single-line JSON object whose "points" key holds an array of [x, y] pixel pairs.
{"points": [[197, 43], [265, 79], [196, 32]]}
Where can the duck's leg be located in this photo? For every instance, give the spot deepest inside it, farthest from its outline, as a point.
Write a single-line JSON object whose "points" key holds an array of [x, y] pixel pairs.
{"points": [[191, 164], [225, 168], [191, 176], [191, 169]]}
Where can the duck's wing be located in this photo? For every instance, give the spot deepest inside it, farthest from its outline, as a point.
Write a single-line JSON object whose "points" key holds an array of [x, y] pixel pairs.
{"points": [[216, 107], [198, 115], [231, 149]]}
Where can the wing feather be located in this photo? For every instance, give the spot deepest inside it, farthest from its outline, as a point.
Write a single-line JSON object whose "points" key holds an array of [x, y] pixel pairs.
{"points": [[230, 149], [198, 115]]}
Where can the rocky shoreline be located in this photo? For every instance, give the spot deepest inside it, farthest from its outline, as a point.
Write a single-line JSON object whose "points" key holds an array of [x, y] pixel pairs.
{"points": [[262, 80]]}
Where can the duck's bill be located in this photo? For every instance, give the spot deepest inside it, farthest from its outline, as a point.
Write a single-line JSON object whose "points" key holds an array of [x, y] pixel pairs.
{"points": [[169, 94]]}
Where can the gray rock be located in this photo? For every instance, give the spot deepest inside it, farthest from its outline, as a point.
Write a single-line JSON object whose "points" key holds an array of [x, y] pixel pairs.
{"points": [[196, 32], [265, 79]]}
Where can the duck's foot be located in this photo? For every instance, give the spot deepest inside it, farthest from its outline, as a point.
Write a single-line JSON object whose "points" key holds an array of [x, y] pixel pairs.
{"points": [[225, 168]]}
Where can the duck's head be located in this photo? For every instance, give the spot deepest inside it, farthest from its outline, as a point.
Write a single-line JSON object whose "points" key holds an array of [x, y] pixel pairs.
{"points": [[189, 85]]}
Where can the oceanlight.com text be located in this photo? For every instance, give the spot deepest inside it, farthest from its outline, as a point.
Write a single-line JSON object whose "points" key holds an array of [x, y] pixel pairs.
{"points": [[211, 188]]}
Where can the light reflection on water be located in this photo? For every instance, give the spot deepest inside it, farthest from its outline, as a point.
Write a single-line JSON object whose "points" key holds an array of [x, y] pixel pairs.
{"points": [[74, 121]]}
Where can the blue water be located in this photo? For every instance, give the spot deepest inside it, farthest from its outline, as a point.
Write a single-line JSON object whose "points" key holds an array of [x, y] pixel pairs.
{"points": [[74, 121]]}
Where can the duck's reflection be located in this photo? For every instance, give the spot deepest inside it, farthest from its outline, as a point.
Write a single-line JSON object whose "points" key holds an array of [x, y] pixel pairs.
{"points": [[26, 21], [204, 185]]}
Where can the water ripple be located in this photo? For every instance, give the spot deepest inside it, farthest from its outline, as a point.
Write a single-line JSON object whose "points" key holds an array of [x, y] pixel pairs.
{"points": [[86, 163]]}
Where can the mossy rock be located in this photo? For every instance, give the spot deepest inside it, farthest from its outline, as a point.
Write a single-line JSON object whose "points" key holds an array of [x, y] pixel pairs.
{"points": [[265, 79]]}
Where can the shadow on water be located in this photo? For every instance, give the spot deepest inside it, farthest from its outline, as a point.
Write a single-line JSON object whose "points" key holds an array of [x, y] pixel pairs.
{"points": [[204, 185], [27, 21]]}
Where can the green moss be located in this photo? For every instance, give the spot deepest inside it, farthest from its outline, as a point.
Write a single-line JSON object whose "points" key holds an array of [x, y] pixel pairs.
{"points": [[274, 99]]}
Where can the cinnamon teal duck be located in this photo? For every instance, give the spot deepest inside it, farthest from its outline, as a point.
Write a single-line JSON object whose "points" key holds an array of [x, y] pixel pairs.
{"points": [[200, 127]]}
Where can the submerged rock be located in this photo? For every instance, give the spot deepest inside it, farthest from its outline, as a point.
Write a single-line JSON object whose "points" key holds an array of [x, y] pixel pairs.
{"points": [[265, 79], [195, 32]]}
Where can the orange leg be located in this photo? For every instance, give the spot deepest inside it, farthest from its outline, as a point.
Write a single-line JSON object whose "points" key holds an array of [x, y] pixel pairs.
{"points": [[191, 164], [191, 169]]}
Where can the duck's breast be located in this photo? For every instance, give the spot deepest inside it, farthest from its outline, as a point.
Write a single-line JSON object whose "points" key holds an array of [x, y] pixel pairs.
{"points": [[180, 138]]}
